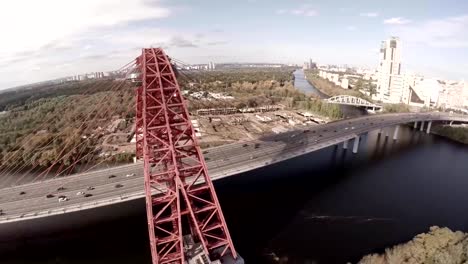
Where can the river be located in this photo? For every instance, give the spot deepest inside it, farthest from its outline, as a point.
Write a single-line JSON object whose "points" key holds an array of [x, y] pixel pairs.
{"points": [[303, 85]]}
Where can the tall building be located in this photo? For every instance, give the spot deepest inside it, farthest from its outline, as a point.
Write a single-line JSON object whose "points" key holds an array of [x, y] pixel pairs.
{"points": [[391, 85]]}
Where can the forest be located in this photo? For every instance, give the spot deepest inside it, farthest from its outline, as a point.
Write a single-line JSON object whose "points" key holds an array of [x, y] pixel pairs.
{"points": [[64, 124]]}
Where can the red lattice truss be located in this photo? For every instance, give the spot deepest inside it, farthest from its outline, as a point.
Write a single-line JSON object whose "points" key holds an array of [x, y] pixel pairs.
{"points": [[180, 196]]}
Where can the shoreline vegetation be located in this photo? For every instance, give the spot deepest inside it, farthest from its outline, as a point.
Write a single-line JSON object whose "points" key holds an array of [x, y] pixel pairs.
{"points": [[459, 134], [438, 246]]}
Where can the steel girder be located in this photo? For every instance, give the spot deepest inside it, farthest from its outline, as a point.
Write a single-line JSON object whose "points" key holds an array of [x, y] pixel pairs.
{"points": [[174, 165]]}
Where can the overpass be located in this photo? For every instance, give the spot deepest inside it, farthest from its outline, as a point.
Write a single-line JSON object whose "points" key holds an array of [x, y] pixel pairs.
{"points": [[29, 201], [353, 101]]}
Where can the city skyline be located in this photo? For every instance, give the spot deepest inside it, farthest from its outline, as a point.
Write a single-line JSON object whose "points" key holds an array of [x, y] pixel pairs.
{"points": [[100, 36]]}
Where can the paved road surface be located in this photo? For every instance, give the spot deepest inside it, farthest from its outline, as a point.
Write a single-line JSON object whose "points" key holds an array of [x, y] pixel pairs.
{"points": [[30, 201]]}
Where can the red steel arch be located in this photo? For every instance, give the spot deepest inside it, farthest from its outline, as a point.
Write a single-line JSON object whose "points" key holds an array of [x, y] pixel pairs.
{"points": [[180, 197]]}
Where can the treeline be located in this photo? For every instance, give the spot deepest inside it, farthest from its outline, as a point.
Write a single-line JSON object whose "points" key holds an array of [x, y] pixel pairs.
{"points": [[48, 129], [228, 77], [438, 246], [18, 97]]}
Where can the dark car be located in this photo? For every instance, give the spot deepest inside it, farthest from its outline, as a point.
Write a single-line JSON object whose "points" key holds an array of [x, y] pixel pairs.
{"points": [[61, 189], [119, 185], [88, 195], [22, 193], [50, 195], [112, 176]]}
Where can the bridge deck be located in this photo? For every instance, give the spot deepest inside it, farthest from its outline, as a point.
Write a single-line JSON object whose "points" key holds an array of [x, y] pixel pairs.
{"points": [[222, 162]]}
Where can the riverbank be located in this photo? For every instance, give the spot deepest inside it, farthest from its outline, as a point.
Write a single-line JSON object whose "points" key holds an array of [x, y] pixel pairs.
{"points": [[328, 88], [439, 245], [459, 134]]}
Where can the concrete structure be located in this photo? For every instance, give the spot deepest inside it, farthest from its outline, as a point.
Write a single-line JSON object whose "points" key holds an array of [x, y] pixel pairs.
{"points": [[222, 161], [395, 132], [352, 100], [429, 127], [391, 86], [356, 144], [344, 83]]}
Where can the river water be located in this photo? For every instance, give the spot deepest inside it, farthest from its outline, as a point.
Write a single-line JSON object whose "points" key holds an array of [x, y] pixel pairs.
{"points": [[303, 85]]}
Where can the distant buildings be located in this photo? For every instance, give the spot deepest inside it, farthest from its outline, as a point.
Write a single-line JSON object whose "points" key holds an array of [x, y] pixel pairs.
{"points": [[335, 78], [308, 65]]}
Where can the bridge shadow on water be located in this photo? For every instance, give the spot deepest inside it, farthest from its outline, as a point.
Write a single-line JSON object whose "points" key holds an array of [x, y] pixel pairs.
{"points": [[315, 207]]}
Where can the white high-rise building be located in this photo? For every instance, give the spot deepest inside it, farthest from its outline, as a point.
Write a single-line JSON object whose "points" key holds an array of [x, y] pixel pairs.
{"points": [[391, 85]]}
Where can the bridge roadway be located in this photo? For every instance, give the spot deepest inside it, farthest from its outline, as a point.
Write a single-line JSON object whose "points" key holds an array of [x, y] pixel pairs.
{"points": [[222, 161]]}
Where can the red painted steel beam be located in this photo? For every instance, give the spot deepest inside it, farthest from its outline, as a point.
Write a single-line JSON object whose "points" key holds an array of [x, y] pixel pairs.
{"points": [[174, 164]]}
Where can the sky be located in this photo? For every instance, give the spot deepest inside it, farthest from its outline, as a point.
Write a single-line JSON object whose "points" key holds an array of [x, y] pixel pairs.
{"points": [[48, 39]]}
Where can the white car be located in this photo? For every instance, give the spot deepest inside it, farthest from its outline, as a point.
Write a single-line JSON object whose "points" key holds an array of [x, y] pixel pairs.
{"points": [[80, 193], [62, 199], [130, 175]]}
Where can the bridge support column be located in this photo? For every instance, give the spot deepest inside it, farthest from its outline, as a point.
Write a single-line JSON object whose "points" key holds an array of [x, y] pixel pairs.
{"points": [[415, 125], [422, 126], [451, 122], [429, 127], [345, 144], [395, 133], [356, 144]]}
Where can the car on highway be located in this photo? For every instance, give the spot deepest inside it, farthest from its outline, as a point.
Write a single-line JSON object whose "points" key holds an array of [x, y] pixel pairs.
{"points": [[119, 185], [90, 188], [245, 145], [88, 195], [63, 198], [80, 193], [61, 189], [112, 176], [130, 175], [50, 195], [22, 193]]}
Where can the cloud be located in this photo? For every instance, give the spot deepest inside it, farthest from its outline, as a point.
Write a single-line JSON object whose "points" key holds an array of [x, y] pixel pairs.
{"points": [[397, 21], [369, 14], [305, 10], [54, 20], [178, 41], [216, 43], [449, 32]]}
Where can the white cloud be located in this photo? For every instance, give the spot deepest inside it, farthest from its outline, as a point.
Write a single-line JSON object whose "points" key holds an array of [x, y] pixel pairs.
{"points": [[450, 32], [369, 14], [31, 25], [397, 21], [305, 10]]}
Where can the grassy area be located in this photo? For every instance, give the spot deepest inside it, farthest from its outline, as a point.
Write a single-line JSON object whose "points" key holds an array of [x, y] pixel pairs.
{"points": [[459, 134]]}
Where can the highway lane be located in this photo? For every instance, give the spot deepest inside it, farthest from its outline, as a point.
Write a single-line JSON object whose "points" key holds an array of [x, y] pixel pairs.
{"points": [[222, 161]]}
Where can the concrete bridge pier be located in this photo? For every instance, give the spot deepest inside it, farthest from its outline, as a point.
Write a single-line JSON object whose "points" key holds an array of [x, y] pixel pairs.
{"points": [[429, 127], [415, 125], [395, 132], [345, 144], [356, 144], [451, 122], [422, 126]]}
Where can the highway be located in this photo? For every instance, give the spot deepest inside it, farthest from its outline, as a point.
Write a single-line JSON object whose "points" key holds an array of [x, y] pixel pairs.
{"points": [[123, 183]]}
